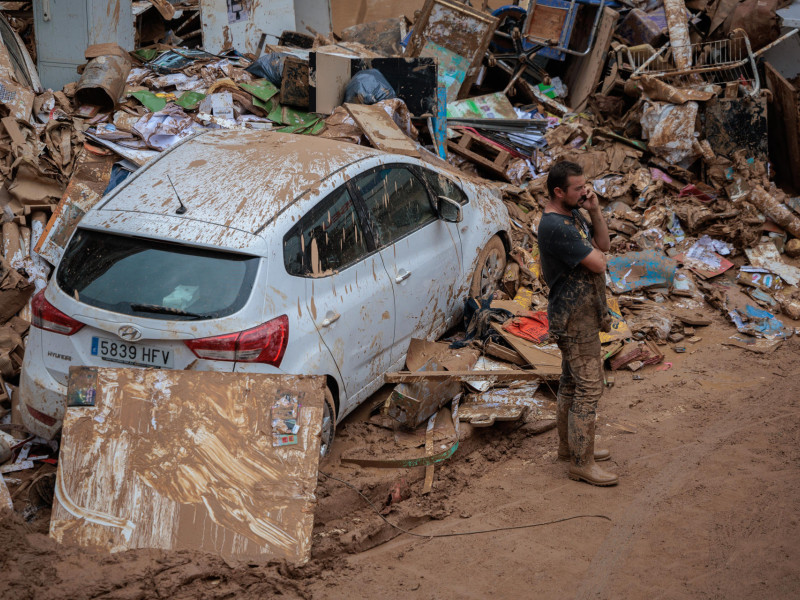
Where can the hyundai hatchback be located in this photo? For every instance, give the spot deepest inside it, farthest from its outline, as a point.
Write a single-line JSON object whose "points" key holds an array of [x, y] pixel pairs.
{"points": [[263, 252]]}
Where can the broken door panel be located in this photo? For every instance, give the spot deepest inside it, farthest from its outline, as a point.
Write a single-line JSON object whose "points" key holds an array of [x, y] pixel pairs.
{"points": [[189, 460]]}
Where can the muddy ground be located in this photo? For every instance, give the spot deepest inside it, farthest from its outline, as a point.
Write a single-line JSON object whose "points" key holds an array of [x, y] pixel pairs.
{"points": [[707, 454]]}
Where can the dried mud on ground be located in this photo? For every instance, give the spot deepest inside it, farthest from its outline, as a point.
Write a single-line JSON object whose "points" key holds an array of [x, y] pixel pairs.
{"points": [[707, 454]]}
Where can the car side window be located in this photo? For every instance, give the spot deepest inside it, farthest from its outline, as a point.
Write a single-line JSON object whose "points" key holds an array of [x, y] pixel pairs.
{"points": [[397, 201], [442, 186], [327, 239]]}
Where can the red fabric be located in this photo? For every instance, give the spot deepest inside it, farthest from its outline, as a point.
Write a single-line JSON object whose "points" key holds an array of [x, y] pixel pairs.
{"points": [[533, 327]]}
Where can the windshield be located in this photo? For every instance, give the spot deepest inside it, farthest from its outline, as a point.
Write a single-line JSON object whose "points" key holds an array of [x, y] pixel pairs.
{"points": [[152, 279]]}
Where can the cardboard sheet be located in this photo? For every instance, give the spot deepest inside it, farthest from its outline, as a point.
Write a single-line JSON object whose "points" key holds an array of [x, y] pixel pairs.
{"points": [[189, 460]]}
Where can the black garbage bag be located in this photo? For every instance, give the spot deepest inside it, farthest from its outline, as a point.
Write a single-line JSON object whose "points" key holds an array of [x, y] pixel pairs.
{"points": [[368, 87], [269, 66]]}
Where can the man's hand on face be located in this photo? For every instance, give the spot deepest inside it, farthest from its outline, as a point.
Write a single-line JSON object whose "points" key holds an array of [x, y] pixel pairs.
{"points": [[589, 199]]}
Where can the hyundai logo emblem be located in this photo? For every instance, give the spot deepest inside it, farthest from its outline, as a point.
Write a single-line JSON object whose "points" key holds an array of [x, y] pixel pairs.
{"points": [[130, 333]]}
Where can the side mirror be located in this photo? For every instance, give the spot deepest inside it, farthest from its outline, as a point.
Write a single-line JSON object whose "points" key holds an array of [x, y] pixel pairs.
{"points": [[449, 210]]}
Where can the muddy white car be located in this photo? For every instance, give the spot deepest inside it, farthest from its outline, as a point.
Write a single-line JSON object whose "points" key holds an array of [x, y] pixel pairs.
{"points": [[261, 252]]}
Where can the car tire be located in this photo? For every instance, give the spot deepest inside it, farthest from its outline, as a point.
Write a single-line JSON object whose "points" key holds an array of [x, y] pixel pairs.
{"points": [[489, 268], [328, 424]]}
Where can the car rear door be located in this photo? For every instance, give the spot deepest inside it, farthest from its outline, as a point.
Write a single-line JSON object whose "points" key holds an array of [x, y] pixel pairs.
{"points": [[348, 292], [420, 251]]}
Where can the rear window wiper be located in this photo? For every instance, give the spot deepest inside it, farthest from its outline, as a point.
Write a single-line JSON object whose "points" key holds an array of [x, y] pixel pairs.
{"points": [[166, 310]]}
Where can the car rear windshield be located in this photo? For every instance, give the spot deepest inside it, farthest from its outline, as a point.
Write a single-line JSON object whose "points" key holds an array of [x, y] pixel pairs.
{"points": [[152, 279]]}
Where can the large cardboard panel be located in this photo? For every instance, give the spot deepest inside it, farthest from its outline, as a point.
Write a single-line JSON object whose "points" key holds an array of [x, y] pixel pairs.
{"points": [[187, 460]]}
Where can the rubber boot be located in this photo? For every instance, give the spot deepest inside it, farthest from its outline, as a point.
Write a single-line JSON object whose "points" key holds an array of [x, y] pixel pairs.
{"points": [[562, 425], [581, 441]]}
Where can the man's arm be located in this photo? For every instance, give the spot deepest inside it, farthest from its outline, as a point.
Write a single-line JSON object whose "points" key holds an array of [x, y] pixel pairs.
{"points": [[596, 260], [600, 237]]}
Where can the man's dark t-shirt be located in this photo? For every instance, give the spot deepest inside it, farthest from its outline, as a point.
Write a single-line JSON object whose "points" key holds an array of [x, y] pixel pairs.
{"points": [[577, 301]]}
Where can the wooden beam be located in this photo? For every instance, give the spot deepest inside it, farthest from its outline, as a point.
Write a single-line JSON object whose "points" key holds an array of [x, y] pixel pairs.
{"points": [[505, 375]]}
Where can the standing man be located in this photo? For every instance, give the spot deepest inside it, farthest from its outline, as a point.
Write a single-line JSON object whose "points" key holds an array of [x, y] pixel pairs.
{"points": [[573, 265]]}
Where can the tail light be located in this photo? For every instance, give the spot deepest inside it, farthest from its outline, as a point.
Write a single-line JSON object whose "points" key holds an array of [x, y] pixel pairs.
{"points": [[40, 416], [48, 317], [263, 344]]}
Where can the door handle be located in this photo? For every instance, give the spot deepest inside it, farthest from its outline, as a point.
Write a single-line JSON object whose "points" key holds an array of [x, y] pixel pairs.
{"points": [[330, 318], [402, 276]]}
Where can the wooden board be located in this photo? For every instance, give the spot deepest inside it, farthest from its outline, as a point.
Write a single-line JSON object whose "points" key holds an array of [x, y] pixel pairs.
{"points": [[381, 130], [546, 362], [186, 460], [784, 126], [584, 72]]}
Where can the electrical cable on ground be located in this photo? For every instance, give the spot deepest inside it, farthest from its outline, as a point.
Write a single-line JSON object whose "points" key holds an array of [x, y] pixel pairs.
{"points": [[458, 533]]}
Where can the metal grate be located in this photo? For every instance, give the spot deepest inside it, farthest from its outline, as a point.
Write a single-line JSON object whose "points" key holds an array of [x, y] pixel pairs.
{"points": [[713, 63]]}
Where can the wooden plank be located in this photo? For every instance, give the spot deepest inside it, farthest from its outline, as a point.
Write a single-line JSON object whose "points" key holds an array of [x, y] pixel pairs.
{"points": [[503, 353], [506, 375], [381, 130], [784, 126], [584, 73], [547, 363], [189, 460]]}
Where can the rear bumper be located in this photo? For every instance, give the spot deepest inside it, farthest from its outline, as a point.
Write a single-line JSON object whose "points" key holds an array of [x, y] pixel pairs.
{"points": [[42, 398]]}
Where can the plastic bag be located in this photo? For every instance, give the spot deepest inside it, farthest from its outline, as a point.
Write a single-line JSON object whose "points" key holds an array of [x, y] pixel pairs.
{"points": [[269, 66], [368, 87]]}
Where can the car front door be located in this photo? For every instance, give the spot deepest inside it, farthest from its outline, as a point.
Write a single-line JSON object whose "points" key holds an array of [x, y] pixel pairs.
{"points": [[420, 251], [348, 291]]}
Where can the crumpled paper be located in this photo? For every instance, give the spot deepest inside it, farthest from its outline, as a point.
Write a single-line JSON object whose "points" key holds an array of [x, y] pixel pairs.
{"points": [[164, 128], [669, 130]]}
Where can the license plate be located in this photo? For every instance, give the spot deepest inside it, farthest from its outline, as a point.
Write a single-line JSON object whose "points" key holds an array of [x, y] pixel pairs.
{"points": [[131, 354]]}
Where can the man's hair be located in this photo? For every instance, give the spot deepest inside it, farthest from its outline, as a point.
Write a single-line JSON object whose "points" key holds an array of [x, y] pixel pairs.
{"points": [[559, 175]]}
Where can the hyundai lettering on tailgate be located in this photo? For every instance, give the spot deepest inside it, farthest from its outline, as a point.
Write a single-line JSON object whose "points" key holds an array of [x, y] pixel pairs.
{"points": [[131, 354]]}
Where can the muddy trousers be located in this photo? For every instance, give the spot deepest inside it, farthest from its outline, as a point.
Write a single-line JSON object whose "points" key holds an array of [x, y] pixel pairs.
{"points": [[579, 391]]}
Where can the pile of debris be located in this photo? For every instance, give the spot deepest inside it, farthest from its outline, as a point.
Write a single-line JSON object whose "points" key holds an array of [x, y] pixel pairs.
{"points": [[663, 103]]}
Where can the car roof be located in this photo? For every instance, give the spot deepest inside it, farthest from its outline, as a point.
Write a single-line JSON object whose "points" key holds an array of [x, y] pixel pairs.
{"points": [[238, 179]]}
